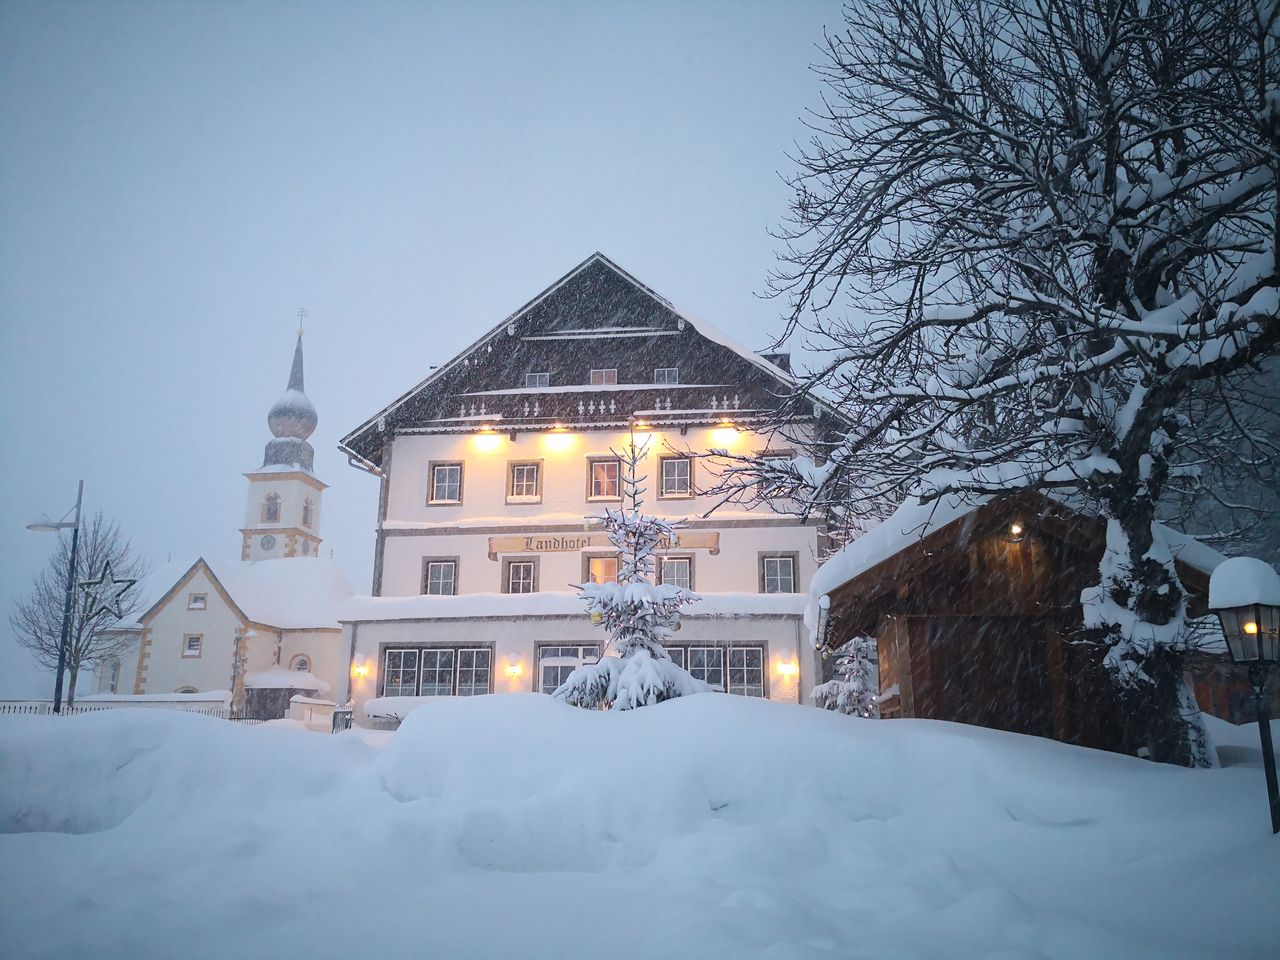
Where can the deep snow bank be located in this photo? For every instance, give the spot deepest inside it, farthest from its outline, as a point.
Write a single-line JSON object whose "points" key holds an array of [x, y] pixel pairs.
{"points": [[714, 826]]}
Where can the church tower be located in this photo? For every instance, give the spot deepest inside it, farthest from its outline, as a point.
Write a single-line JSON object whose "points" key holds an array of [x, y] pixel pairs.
{"points": [[282, 514]]}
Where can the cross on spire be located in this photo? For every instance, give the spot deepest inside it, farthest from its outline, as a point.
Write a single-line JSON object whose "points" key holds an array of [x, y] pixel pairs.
{"points": [[302, 315]]}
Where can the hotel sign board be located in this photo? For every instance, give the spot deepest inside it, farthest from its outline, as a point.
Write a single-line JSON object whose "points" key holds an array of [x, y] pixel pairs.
{"points": [[571, 542]]}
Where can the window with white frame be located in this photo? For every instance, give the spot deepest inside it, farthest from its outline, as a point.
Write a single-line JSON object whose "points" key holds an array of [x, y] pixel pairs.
{"points": [[520, 576], [676, 572], [733, 668], [537, 380], [602, 377], [446, 483], [191, 644], [474, 671], [778, 573], [437, 672], [675, 477], [197, 601], [400, 674], [603, 481], [440, 578], [706, 664], [556, 662], [666, 375], [746, 671], [523, 482], [602, 569]]}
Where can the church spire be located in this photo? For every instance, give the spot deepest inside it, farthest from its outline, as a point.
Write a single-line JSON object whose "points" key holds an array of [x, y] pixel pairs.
{"points": [[292, 420]]}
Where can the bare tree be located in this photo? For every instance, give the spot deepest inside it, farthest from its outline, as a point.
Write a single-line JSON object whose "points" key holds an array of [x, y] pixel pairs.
{"points": [[1033, 242], [94, 634]]}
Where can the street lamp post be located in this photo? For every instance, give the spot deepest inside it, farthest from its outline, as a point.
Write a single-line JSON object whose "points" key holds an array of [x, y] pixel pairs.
{"points": [[48, 525], [1245, 594]]}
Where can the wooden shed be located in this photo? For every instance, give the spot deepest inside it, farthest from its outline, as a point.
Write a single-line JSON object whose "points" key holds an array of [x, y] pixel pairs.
{"points": [[975, 609]]}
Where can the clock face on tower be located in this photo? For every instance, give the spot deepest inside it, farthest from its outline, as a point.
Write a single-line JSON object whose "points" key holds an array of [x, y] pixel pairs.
{"points": [[267, 542]]}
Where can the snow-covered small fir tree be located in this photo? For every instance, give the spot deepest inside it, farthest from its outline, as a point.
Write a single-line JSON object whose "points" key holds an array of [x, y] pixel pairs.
{"points": [[856, 686], [638, 613]]}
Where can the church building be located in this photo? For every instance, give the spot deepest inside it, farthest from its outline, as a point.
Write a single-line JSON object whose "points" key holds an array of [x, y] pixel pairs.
{"points": [[491, 466], [264, 628]]}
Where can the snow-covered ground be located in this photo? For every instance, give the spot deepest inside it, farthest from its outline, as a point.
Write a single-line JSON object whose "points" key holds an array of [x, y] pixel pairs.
{"points": [[714, 826]]}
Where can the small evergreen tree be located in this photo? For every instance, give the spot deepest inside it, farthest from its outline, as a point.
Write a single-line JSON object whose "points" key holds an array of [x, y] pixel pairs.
{"points": [[856, 685], [638, 613]]}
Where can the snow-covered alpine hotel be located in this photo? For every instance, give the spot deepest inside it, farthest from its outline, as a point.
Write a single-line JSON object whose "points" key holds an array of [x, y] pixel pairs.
{"points": [[490, 465]]}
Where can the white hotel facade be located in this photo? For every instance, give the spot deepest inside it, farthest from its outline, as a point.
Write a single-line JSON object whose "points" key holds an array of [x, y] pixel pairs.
{"points": [[490, 467]]}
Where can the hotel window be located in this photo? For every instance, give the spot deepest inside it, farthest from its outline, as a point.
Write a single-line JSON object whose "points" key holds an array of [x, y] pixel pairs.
{"points": [[474, 671], [520, 576], [666, 375], [197, 601], [744, 675], [601, 378], [602, 569], [746, 671], [602, 479], [191, 644], [524, 483], [676, 572], [400, 676], [706, 664], [271, 508], [437, 672], [555, 663], [439, 577], [307, 509], [675, 480], [446, 483], [778, 573], [537, 380]]}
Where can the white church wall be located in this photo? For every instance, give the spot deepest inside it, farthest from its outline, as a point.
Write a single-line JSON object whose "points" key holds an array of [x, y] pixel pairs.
{"points": [[166, 668], [325, 650]]}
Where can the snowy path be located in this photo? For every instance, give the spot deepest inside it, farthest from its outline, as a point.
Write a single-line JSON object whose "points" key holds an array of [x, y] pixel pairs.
{"points": [[715, 826]]}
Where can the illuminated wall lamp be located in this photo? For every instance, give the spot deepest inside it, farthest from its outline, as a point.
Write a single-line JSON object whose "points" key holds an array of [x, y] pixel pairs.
{"points": [[487, 441], [787, 668], [359, 670], [514, 670]]}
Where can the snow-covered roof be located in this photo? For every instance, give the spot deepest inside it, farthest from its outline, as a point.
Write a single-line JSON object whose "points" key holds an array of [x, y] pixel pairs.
{"points": [[289, 593], [1241, 581], [280, 678], [550, 604], [913, 521]]}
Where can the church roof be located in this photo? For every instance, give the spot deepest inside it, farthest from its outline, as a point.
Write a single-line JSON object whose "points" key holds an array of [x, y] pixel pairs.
{"points": [[288, 593], [595, 316]]}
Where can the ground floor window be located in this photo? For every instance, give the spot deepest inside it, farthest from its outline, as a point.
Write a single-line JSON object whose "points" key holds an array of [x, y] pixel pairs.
{"points": [[437, 672], [734, 668], [555, 663]]}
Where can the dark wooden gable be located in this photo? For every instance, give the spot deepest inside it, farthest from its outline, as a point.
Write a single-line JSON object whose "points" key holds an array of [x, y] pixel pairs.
{"points": [[596, 317]]}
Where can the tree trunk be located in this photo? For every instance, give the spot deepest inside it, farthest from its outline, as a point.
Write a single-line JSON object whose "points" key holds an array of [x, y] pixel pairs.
{"points": [[74, 670]]}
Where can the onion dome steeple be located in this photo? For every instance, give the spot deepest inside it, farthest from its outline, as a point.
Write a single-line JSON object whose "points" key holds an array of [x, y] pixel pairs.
{"points": [[292, 420]]}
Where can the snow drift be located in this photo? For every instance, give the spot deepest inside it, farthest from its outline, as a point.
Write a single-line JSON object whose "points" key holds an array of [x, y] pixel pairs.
{"points": [[707, 826]]}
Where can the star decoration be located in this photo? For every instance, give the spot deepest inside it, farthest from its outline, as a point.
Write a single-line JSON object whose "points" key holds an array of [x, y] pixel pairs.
{"points": [[105, 593]]}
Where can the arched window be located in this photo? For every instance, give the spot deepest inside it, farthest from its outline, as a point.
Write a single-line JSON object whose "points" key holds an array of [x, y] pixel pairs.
{"points": [[110, 676], [271, 508], [306, 548], [306, 512], [301, 663], [186, 690]]}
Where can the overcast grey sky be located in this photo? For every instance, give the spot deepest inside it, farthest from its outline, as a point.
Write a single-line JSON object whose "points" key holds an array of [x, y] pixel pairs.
{"points": [[176, 179]]}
